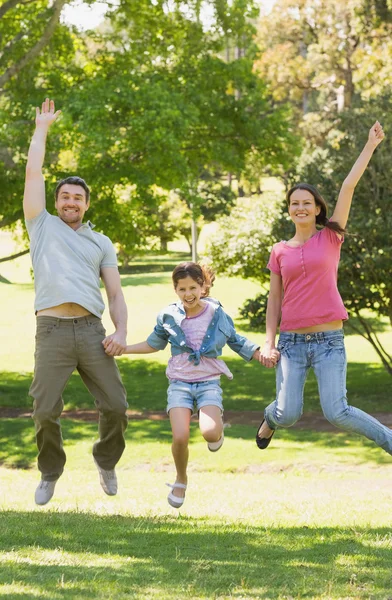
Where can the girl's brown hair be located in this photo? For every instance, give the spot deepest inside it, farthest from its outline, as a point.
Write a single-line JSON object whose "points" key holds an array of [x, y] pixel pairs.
{"points": [[321, 218], [202, 274]]}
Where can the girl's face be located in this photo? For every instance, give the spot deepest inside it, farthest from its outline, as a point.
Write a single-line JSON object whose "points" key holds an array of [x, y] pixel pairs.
{"points": [[190, 293], [303, 209]]}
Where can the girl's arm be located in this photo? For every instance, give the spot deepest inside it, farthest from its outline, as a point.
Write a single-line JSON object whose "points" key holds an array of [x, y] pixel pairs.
{"points": [[140, 348], [269, 354], [343, 205]]}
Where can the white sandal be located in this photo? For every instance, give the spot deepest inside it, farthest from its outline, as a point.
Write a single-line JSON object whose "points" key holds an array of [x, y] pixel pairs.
{"points": [[176, 501], [215, 446]]}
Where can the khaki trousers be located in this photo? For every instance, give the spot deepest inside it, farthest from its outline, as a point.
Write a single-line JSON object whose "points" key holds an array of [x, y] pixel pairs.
{"points": [[63, 345]]}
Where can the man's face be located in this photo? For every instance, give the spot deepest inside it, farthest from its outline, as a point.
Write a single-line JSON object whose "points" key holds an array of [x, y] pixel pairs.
{"points": [[71, 204]]}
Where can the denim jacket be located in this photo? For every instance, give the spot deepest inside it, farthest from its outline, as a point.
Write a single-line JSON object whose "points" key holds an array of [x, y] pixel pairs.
{"points": [[220, 331]]}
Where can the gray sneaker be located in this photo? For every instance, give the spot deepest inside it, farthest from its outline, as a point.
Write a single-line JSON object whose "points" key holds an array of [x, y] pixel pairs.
{"points": [[44, 491], [108, 480]]}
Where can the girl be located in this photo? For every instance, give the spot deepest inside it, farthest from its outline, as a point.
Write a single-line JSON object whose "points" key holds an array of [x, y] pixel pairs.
{"points": [[197, 328], [303, 290]]}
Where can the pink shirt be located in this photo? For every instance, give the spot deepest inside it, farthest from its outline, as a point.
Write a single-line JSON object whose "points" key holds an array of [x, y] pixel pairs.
{"points": [[309, 275], [179, 367]]}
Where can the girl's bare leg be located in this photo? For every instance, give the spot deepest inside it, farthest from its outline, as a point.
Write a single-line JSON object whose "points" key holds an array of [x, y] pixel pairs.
{"points": [[180, 421], [211, 423]]}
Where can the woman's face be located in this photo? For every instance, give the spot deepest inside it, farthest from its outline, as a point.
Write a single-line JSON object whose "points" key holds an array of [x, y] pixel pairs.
{"points": [[302, 208]]}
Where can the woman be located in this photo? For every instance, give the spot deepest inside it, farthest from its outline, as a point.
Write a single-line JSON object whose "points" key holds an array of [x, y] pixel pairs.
{"points": [[304, 293]]}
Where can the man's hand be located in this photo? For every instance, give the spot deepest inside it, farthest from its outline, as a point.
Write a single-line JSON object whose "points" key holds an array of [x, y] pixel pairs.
{"points": [[115, 344], [47, 115]]}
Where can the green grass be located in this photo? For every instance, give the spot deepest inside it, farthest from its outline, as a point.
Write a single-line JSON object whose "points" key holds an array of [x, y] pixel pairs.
{"points": [[251, 389], [308, 518], [146, 293], [302, 520]]}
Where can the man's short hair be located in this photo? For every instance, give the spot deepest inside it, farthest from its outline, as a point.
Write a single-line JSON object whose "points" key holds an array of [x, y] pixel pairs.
{"points": [[73, 180]]}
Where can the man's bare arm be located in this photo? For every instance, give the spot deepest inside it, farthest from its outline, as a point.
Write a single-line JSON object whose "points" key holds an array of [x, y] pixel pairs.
{"points": [[34, 194], [115, 344]]}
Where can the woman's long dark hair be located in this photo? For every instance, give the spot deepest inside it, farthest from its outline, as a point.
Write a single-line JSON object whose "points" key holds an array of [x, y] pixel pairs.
{"points": [[202, 274], [321, 218]]}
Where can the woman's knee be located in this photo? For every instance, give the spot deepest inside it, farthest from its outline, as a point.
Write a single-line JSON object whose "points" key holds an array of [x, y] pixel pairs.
{"points": [[338, 417], [287, 418]]}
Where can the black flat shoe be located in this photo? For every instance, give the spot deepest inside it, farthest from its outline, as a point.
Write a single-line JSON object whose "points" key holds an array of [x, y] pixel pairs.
{"points": [[263, 443]]}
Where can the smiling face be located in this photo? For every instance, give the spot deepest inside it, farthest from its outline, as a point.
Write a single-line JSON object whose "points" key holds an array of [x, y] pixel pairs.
{"points": [[303, 209], [190, 293], [71, 204]]}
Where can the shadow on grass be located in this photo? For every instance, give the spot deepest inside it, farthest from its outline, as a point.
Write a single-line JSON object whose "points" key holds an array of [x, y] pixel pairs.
{"points": [[185, 558], [18, 449], [252, 388]]}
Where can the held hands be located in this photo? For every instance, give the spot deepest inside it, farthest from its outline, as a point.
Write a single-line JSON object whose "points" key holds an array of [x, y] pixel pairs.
{"points": [[47, 115], [376, 134], [268, 356], [115, 344]]}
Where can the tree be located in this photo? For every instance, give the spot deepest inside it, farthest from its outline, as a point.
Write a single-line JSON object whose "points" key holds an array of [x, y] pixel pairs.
{"points": [[150, 103], [36, 58], [324, 57], [166, 110]]}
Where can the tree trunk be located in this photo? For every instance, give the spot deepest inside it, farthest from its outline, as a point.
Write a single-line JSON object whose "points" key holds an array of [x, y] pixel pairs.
{"points": [[370, 335], [13, 256], [37, 48]]}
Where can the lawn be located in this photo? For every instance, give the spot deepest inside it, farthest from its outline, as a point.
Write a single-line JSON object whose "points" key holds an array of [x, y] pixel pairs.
{"points": [[307, 518], [146, 293]]}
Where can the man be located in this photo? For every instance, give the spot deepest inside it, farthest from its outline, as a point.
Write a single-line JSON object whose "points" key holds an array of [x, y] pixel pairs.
{"points": [[68, 260]]}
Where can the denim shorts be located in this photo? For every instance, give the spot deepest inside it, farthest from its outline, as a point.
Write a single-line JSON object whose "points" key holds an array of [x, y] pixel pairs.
{"points": [[183, 394]]}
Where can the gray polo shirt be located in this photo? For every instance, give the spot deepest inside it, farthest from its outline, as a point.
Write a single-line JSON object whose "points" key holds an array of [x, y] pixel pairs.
{"points": [[67, 263]]}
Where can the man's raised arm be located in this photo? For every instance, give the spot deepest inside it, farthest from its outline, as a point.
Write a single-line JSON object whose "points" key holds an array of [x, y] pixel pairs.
{"points": [[34, 194]]}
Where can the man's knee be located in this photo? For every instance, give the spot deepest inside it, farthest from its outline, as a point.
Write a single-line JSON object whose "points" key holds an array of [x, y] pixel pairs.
{"points": [[119, 407], [45, 416]]}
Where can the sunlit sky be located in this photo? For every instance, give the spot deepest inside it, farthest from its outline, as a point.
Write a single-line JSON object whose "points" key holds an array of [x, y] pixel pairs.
{"points": [[88, 17]]}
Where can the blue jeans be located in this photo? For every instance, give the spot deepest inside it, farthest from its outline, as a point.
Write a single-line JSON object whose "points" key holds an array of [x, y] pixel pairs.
{"points": [[324, 352]]}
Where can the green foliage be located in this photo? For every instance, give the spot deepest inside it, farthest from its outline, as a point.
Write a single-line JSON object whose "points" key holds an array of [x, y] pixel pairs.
{"points": [[244, 239], [52, 72], [254, 311], [154, 102]]}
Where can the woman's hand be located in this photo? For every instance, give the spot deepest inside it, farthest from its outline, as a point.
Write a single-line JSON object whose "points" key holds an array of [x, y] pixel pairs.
{"points": [[268, 355], [376, 134]]}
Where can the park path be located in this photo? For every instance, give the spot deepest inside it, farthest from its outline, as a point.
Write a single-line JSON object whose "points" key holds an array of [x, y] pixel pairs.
{"points": [[314, 421]]}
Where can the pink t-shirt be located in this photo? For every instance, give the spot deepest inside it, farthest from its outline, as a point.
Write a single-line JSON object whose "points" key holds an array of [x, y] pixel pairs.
{"points": [[179, 367], [309, 275]]}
